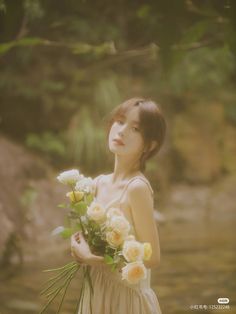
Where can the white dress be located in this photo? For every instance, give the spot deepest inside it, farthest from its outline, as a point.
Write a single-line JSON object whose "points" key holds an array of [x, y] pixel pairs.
{"points": [[112, 295]]}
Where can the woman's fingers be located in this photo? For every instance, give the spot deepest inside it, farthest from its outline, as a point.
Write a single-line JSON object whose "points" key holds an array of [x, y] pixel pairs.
{"points": [[77, 236]]}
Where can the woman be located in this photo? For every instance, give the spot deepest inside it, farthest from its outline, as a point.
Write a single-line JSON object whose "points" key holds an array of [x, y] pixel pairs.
{"points": [[136, 132]]}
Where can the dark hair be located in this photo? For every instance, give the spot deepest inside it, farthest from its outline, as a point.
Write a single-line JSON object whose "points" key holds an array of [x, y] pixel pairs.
{"points": [[152, 124]]}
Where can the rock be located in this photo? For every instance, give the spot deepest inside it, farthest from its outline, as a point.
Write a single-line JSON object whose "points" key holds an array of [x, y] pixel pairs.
{"points": [[6, 230], [196, 138], [29, 196]]}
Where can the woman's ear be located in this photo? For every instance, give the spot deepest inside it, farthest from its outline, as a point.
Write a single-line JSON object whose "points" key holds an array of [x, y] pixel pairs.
{"points": [[152, 145]]}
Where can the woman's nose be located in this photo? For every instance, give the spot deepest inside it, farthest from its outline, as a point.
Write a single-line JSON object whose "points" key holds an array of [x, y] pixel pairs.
{"points": [[122, 130]]}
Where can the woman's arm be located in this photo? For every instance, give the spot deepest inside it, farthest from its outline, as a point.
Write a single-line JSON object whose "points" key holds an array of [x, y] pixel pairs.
{"points": [[141, 203]]}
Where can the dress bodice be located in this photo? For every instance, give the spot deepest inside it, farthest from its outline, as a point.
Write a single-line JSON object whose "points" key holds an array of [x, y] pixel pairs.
{"points": [[120, 202]]}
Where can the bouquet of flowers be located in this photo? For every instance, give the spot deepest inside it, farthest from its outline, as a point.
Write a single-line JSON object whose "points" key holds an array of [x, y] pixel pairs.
{"points": [[107, 232]]}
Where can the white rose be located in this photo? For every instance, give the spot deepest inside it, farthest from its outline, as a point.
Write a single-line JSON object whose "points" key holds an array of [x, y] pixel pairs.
{"points": [[85, 185], [114, 238], [96, 212], [69, 177], [114, 212], [134, 272], [119, 224], [133, 251]]}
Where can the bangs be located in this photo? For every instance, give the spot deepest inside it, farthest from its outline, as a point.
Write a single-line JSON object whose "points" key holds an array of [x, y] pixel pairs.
{"points": [[121, 110]]}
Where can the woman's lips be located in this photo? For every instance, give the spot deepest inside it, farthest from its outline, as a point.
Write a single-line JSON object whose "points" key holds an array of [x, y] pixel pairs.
{"points": [[119, 142]]}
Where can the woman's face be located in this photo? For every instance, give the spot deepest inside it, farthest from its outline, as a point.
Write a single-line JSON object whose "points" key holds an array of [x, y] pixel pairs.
{"points": [[125, 137]]}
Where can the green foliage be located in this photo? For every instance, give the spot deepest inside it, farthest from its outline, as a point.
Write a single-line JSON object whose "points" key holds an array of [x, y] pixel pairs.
{"points": [[24, 42], [80, 208], [64, 67], [2, 6], [203, 70], [89, 198], [63, 205], [143, 11], [86, 141], [67, 232], [108, 259], [96, 51], [46, 142], [195, 32], [106, 94], [33, 9]]}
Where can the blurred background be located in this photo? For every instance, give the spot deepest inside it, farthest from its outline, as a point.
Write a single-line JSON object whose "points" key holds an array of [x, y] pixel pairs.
{"points": [[64, 65]]}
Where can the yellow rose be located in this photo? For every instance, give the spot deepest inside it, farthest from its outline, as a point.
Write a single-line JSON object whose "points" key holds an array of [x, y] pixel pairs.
{"points": [[147, 251], [114, 238], [133, 251], [75, 196], [134, 272]]}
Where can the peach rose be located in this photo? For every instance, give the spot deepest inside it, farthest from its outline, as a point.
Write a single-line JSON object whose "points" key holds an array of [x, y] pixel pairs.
{"points": [[134, 272], [114, 238]]}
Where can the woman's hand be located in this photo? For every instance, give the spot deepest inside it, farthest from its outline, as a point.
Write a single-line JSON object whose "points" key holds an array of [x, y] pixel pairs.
{"points": [[80, 250]]}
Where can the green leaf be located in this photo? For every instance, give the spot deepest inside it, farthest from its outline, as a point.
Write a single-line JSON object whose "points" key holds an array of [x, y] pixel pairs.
{"points": [[195, 32], [108, 259], [77, 227], [143, 11], [80, 208], [62, 205], [67, 233], [89, 199]]}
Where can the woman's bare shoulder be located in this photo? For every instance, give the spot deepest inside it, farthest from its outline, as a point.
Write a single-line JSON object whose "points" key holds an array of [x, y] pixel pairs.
{"points": [[101, 177], [140, 185]]}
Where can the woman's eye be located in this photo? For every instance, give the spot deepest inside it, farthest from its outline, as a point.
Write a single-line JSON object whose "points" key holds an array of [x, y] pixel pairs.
{"points": [[119, 121], [135, 129]]}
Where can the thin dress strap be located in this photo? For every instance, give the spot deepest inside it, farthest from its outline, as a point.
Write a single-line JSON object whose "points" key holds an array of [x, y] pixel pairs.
{"points": [[133, 179], [96, 184], [124, 189]]}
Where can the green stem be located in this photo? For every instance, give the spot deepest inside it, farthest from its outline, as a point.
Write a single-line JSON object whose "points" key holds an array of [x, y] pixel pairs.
{"points": [[65, 270], [61, 284], [54, 296], [60, 268], [81, 224], [81, 294], [58, 278], [67, 285]]}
